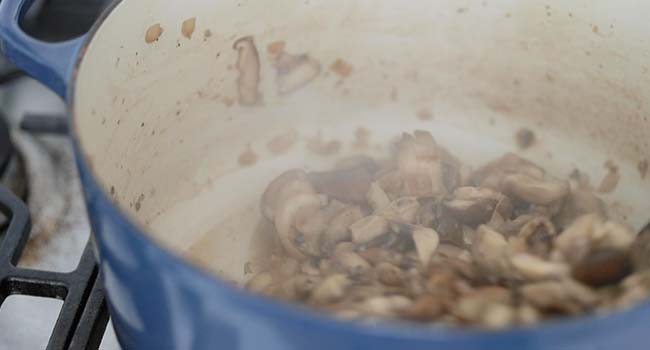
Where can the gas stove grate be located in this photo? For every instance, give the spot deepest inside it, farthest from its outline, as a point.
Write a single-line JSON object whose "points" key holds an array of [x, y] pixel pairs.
{"points": [[83, 317]]}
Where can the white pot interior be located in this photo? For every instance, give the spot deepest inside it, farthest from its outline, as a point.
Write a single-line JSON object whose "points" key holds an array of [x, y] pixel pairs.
{"points": [[161, 125]]}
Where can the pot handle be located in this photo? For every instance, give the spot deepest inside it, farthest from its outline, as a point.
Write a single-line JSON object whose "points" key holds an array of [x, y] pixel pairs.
{"points": [[49, 63]]}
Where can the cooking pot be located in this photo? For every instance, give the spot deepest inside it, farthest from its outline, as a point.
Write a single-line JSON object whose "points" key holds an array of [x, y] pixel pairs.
{"points": [[181, 117]]}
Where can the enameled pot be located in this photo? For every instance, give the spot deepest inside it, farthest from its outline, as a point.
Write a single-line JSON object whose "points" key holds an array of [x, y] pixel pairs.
{"points": [[180, 119]]}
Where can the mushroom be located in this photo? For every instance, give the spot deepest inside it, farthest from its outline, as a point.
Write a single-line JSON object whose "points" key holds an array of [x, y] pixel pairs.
{"points": [[420, 165], [368, 228], [289, 200], [331, 289], [473, 205], [385, 305], [349, 185], [376, 197], [533, 190], [351, 262], [338, 228], [424, 308], [389, 274], [590, 232], [426, 241], [260, 282], [402, 211], [579, 202], [490, 252], [563, 295], [602, 267], [533, 268], [536, 237], [248, 66], [294, 71], [491, 174]]}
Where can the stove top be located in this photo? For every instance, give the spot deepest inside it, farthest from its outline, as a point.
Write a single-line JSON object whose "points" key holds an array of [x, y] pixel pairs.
{"points": [[44, 233]]}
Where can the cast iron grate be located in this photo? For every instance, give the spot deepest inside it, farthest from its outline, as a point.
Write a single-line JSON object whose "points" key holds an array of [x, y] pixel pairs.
{"points": [[83, 317]]}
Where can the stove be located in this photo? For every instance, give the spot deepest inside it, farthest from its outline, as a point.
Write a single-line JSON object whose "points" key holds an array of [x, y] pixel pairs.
{"points": [[50, 287]]}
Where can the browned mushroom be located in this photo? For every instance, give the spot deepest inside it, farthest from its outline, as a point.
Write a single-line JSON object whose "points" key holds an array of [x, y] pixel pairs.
{"points": [[534, 190], [420, 165], [348, 185], [368, 228], [473, 205], [490, 252]]}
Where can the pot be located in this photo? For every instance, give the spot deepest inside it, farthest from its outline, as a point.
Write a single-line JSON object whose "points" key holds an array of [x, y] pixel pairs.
{"points": [[183, 111]]}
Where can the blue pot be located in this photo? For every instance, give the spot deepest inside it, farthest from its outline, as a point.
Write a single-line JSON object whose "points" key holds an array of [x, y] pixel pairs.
{"points": [[159, 301]]}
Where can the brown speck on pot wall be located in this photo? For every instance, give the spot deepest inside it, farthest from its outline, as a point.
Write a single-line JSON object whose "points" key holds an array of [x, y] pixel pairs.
{"points": [[188, 26], [643, 168], [525, 138], [342, 68], [424, 114], [281, 143], [153, 33], [248, 157], [276, 47]]}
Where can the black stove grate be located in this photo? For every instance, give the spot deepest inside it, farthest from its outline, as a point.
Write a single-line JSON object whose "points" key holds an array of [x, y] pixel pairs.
{"points": [[83, 317]]}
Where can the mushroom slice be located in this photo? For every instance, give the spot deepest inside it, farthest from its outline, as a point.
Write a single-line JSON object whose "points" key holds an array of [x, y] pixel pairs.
{"points": [[533, 268], [491, 174], [579, 202], [590, 232], [338, 228], [331, 289], [368, 228], [376, 197], [472, 205], [402, 211], [351, 262], [248, 65], [290, 200], [536, 237], [420, 165], [564, 295], [385, 306], [533, 190], [426, 241], [348, 185], [490, 252], [260, 283]]}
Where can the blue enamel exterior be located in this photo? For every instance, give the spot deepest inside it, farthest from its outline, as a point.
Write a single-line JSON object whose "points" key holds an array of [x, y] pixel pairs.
{"points": [[158, 301]]}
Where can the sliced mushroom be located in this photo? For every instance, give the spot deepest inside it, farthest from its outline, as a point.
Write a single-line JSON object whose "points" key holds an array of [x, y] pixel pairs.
{"points": [[385, 305], [403, 210], [472, 205], [331, 289], [348, 185], [536, 236], [490, 252], [389, 274], [248, 66], [492, 173], [602, 267], [533, 190], [424, 308], [589, 232], [376, 197], [426, 241], [579, 202], [351, 262], [338, 228], [498, 316], [420, 165], [533, 268], [288, 200], [368, 228], [260, 282], [564, 295]]}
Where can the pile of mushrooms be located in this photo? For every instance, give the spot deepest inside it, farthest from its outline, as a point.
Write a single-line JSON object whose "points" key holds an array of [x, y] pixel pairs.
{"points": [[413, 238]]}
